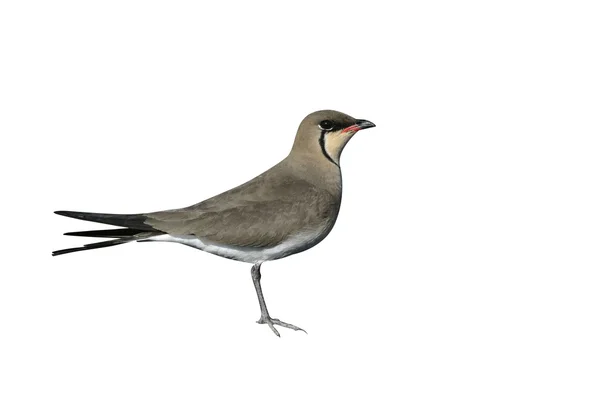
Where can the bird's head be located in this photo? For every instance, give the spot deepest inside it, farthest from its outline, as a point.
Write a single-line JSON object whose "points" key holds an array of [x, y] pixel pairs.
{"points": [[325, 133]]}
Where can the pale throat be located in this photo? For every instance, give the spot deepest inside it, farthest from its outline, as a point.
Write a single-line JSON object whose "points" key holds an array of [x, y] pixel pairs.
{"points": [[334, 144]]}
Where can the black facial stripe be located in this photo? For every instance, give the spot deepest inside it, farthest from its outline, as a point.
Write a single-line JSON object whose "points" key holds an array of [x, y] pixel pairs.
{"points": [[322, 143]]}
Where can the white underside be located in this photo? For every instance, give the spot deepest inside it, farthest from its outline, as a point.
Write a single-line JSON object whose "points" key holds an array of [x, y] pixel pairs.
{"points": [[246, 254]]}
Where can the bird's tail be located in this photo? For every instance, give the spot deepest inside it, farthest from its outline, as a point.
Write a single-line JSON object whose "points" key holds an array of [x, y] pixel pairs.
{"points": [[134, 229]]}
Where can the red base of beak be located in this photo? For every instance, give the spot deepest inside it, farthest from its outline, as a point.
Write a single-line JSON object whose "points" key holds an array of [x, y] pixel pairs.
{"points": [[351, 128]]}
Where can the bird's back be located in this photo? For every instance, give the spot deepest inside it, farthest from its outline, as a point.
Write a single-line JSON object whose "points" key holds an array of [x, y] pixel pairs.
{"points": [[269, 210]]}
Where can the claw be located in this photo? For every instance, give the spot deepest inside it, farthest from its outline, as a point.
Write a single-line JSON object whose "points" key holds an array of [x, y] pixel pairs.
{"points": [[286, 325], [273, 328], [274, 321]]}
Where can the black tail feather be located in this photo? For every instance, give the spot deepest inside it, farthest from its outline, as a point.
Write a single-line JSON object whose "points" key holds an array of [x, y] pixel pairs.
{"points": [[134, 229], [133, 221], [90, 246], [109, 233]]}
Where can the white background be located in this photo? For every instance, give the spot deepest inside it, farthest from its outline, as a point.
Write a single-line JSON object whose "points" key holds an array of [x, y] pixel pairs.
{"points": [[464, 263]]}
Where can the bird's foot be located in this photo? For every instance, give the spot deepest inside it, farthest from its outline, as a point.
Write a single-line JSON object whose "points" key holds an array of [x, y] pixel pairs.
{"points": [[274, 321]]}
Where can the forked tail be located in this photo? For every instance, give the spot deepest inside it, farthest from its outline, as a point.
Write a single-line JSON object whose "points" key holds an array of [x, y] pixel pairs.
{"points": [[134, 229]]}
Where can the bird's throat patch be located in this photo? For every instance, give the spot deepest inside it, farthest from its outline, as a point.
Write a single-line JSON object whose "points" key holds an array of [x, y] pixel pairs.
{"points": [[323, 149]]}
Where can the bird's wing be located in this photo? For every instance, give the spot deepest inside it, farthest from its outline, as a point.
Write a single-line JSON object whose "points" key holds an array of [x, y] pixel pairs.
{"points": [[255, 215]]}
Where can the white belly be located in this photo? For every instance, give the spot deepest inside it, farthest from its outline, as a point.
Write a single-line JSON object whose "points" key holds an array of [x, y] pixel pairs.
{"points": [[254, 255]]}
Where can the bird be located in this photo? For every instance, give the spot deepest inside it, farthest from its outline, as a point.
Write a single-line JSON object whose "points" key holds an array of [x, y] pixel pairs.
{"points": [[287, 209]]}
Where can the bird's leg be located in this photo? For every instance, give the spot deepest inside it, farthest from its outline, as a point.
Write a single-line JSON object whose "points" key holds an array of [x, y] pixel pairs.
{"points": [[265, 318]]}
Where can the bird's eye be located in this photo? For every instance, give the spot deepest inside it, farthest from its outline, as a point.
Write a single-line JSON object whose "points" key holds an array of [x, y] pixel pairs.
{"points": [[326, 125]]}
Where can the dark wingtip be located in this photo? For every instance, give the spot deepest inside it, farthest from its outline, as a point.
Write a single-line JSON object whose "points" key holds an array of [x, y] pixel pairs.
{"points": [[91, 246], [133, 221], [65, 251], [110, 233]]}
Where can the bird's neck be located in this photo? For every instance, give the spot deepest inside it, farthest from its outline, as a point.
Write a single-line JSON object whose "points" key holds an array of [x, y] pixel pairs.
{"points": [[317, 170]]}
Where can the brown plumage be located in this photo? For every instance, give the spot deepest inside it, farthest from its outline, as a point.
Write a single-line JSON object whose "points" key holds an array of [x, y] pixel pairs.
{"points": [[285, 210], [261, 213]]}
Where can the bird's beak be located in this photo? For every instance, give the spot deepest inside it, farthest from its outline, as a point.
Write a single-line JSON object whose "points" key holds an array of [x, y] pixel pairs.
{"points": [[360, 124]]}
